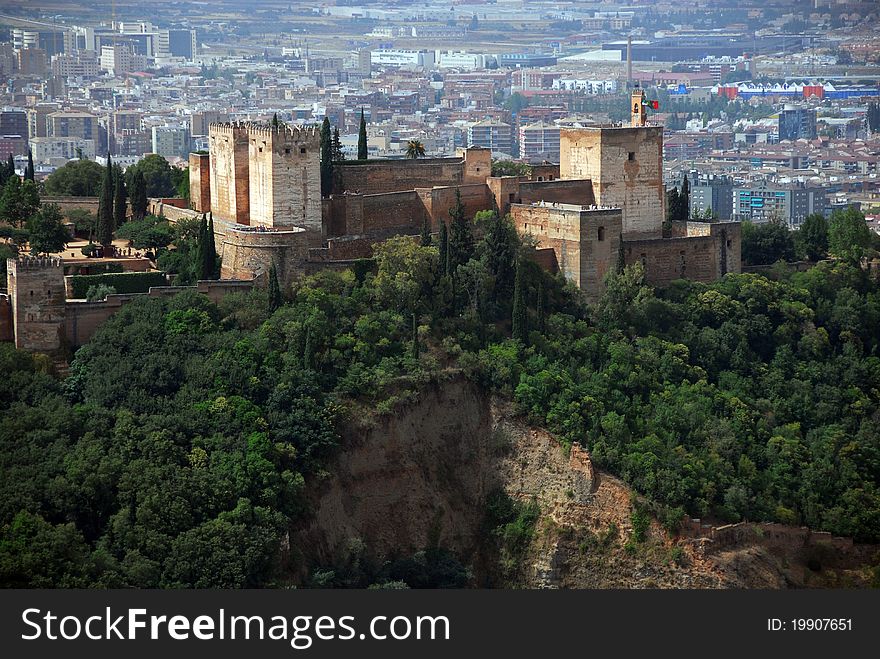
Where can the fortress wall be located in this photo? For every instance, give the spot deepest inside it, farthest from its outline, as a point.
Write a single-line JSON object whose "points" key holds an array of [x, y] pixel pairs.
{"points": [[200, 181], [249, 254], [397, 210], [575, 191], [379, 176], [439, 200], [83, 319]]}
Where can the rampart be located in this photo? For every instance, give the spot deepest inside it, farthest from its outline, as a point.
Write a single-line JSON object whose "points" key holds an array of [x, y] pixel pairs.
{"points": [[469, 166]]}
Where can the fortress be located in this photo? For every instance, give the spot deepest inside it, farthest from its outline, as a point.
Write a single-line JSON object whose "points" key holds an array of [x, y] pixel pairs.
{"points": [[261, 185]]}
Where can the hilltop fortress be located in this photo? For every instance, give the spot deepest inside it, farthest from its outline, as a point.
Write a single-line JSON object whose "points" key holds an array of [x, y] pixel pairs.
{"points": [[261, 185]]}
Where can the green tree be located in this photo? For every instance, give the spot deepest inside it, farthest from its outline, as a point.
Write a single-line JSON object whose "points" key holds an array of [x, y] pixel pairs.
{"points": [[461, 238], [137, 187], [206, 253], [812, 237], [46, 231], [150, 232], [362, 138], [425, 238], [414, 340], [29, 172], [326, 158], [120, 201], [19, 202], [336, 149], [77, 178], [104, 226], [848, 234], [520, 331], [766, 243], [499, 250], [415, 149], [275, 297], [444, 249], [684, 200], [157, 173]]}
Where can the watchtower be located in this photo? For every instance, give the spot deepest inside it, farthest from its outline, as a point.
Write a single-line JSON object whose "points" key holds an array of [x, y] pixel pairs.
{"points": [[285, 176], [38, 312], [230, 198]]}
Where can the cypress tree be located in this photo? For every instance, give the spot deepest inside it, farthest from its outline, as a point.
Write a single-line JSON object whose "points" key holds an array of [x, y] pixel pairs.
{"points": [[138, 194], [104, 224], [414, 348], [426, 233], [275, 120], [10, 166], [519, 328], [336, 149], [29, 170], [326, 158], [275, 299], [362, 138], [444, 248], [205, 253], [120, 198], [621, 257], [212, 249], [461, 240], [684, 200]]}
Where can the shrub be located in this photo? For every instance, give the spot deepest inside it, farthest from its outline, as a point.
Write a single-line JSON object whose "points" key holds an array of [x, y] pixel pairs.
{"points": [[123, 282]]}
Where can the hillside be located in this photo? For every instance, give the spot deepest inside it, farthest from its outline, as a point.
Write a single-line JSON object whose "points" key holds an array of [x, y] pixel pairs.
{"points": [[423, 474]]}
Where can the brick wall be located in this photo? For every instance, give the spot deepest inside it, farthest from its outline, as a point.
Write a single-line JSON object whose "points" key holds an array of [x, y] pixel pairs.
{"points": [[575, 191], [404, 211], [378, 176], [200, 181], [83, 319]]}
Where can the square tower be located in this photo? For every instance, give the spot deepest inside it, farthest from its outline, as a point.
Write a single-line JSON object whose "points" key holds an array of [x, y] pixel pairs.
{"points": [[625, 165], [38, 303], [285, 176], [230, 197]]}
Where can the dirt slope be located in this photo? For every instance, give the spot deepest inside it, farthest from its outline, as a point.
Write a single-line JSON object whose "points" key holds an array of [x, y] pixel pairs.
{"points": [[423, 474]]}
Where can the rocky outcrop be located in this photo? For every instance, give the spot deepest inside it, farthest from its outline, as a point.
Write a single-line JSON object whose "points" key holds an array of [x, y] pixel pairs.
{"points": [[421, 476]]}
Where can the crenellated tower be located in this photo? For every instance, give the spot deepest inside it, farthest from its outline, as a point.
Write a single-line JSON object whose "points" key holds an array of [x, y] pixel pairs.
{"points": [[38, 311], [285, 176]]}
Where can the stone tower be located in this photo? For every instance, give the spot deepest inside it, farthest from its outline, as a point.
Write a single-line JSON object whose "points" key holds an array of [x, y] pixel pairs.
{"points": [[625, 165], [285, 176], [230, 198], [38, 312]]}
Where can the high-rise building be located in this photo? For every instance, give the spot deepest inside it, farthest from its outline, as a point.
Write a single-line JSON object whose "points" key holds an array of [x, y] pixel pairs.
{"points": [[539, 141], [171, 141], [14, 122], [715, 195], [121, 59], [32, 62], [771, 203], [494, 135], [83, 63], [177, 43], [797, 123]]}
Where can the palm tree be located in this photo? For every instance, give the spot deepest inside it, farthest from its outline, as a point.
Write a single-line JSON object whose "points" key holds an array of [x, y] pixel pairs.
{"points": [[415, 149]]}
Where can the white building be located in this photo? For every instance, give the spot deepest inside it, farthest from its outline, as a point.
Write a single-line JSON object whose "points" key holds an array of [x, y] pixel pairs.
{"points": [[461, 60], [121, 59], [423, 58], [54, 149], [171, 141], [588, 86]]}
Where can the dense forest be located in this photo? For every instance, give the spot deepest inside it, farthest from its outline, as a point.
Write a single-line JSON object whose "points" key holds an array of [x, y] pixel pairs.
{"points": [[177, 449]]}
